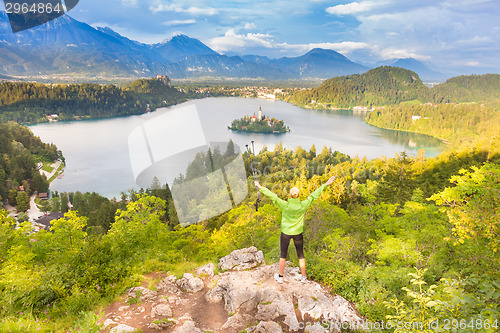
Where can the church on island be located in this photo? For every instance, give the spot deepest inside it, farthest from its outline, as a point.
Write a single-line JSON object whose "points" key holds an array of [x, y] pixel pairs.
{"points": [[259, 124]]}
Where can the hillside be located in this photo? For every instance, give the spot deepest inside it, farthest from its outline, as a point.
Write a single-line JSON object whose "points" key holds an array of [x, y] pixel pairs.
{"points": [[20, 151], [467, 88], [459, 125], [463, 112], [379, 86], [32, 102], [392, 85], [363, 237]]}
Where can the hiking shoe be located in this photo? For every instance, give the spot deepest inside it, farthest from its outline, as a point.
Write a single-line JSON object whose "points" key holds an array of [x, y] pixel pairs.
{"points": [[278, 278], [303, 279]]}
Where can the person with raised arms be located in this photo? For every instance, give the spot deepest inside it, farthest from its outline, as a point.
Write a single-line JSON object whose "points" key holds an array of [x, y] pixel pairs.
{"points": [[292, 223]]}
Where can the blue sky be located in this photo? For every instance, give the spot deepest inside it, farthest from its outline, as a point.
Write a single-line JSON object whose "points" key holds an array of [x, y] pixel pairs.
{"points": [[453, 34]]}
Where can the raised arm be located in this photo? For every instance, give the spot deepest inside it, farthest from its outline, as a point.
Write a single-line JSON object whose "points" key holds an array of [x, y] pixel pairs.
{"points": [[280, 203], [331, 180], [315, 195]]}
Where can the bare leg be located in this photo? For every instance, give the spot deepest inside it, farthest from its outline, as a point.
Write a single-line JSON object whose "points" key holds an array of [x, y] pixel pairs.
{"points": [[282, 266], [302, 264]]}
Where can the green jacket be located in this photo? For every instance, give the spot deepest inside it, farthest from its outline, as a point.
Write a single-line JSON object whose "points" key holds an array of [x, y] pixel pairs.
{"points": [[293, 210]]}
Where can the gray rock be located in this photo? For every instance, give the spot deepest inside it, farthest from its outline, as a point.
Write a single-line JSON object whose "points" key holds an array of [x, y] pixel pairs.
{"points": [[122, 328], [316, 328], [207, 270], [145, 294], [188, 327], [256, 291], [190, 283], [237, 322], [108, 322], [215, 295], [246, 291], [242, 259], [266, 327], [168, 285], [161, 311], [162, 324], [343, 311]]}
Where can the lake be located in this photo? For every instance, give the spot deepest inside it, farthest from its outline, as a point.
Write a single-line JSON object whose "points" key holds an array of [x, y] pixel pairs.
{"points": [[97, 151]]}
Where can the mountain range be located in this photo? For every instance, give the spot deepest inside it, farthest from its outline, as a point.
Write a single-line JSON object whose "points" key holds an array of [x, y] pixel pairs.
{"points": [[69, 47]]}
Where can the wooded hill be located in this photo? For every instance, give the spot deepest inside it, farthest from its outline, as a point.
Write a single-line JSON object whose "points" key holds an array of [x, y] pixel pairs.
{"points": [[32, 102], [20, 150], [460, 125], [392, 85], [467, 88]]}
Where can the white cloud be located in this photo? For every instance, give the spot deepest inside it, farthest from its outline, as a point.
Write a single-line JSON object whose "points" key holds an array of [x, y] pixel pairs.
{"points": [[399, 53], [249, 26], [476, 40], [179, 22], [130, 3], [473, 63], [195, 11], [351, 8], [231, 41]]}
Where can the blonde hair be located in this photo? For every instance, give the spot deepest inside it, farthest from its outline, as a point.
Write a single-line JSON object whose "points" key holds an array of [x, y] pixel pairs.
{"points": [[294, 192]]}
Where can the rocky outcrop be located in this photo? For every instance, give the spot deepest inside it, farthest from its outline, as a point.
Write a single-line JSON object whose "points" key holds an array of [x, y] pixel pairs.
{"points": [[257, 291], [236, 322], [141, 293], [161, 311], [244, 296], [242, 259], [266, 327], [207, 270], [122, 329], [188, 327], [190, 283]]}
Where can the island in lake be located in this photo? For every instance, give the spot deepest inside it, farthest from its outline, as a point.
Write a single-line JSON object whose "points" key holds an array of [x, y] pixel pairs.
{"points": [[259, 124]]}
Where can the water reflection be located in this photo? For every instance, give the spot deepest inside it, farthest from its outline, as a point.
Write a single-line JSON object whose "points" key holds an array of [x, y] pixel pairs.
{"points": [[431, 145]]}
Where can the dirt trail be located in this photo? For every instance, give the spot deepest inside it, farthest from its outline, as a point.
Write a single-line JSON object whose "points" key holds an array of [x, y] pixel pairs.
{"points": [[184, 305]]}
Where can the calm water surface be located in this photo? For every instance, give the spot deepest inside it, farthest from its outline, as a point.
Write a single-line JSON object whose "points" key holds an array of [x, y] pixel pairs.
{"points": [[97, 157]]}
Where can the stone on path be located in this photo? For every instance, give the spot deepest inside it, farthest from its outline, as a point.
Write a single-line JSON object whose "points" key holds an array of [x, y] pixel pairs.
{"points": [[122, 328], [190, 283], [266, 327], [242, 259], [188, 327]]}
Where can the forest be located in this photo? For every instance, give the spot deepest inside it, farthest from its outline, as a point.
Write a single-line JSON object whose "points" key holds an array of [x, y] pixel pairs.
{"points": [[32, 102], [459, 125], [385, 86], [20, 151]]}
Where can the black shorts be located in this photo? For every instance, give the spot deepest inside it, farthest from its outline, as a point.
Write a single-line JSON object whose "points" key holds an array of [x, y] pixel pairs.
{"points": [[298, 240]]}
